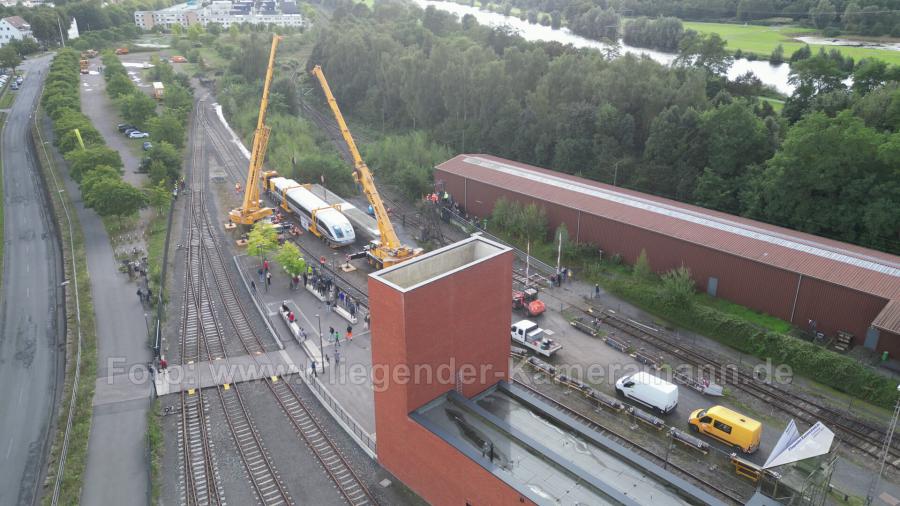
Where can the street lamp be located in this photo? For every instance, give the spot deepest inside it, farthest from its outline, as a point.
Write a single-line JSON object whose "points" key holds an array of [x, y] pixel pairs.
{"points": [[321, 346], [884, 451]]}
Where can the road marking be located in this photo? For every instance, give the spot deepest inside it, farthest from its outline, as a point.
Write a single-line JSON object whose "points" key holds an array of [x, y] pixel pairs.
{"points": [[27, 292], [9, 448]]}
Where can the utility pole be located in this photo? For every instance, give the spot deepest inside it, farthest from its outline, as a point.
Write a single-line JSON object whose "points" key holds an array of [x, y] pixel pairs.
{"points": [[62, 40], [889, 435], [321, 347]]}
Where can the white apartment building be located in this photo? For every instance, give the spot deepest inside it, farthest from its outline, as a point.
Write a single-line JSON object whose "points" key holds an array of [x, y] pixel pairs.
{"points": [[222, 12], [13, 28]]}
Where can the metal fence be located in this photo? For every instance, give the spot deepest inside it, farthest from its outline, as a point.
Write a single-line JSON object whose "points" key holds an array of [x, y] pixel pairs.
{"points": [[353, 428]]}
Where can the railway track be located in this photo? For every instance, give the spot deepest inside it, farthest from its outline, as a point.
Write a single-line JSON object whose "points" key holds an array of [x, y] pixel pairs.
{"points": [[201, 332], [331, 458], [348, 483], [727, 494], [858, 434]]}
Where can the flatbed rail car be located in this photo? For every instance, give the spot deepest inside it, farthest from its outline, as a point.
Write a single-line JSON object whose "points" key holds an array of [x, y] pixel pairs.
{"points": [[314, 214]]}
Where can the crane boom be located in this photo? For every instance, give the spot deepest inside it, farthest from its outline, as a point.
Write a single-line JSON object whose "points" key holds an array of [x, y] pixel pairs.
{"points": [[250, 210], [362, 175]]}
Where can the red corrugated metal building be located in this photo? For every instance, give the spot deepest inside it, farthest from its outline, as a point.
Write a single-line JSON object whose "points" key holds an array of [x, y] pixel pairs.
{"points": [[801, 278]]}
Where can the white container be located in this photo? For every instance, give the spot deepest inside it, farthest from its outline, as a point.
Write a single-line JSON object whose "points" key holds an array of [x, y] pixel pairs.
{"points": [[649, 390]]}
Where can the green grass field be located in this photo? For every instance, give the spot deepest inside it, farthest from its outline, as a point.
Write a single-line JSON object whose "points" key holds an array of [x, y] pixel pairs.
{"points": [[762, 40]]}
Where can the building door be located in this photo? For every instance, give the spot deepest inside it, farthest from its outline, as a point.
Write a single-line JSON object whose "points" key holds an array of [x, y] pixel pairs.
{"points": [[872, 336], [711, 286]]}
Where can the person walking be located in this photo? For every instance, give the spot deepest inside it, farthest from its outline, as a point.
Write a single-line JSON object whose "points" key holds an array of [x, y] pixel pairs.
{"points": [[349, 332], [261, 274], [366, 321], [315, 371], [253, 285], [596, 290], [268, 279], [331, 333], [266, 265]]}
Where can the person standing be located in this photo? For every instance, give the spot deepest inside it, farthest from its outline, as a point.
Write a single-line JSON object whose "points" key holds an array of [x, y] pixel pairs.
{"points": [[349, 332], [253, 285], [366, 321], [268, 279], [313, 364], [266, 265]]}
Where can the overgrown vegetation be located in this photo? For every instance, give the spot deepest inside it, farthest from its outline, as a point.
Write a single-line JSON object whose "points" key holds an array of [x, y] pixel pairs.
{"points": [[684, 132], [156, 448], [97, 168], [76, 456]]}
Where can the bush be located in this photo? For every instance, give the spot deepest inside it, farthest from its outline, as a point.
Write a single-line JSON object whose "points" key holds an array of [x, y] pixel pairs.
{"points": [[642, 270], [678, 287], [814, 362]]}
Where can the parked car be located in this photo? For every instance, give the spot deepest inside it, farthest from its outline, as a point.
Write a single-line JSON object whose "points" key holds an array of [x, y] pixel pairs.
{"points": [[147, 146], [14, 86], [138, 135], [19, 80], [128, 131], [124, 126], [728, 426], [144, 166], [647, 389]]}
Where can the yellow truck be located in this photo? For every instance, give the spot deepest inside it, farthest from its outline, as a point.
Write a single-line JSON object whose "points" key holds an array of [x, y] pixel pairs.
{"points": [[730, 427]]}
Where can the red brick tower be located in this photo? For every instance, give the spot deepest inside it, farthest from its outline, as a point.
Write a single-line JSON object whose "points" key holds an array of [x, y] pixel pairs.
{"points": [[439, 322]]}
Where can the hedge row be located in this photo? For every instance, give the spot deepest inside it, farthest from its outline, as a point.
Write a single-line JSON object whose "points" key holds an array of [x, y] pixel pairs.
{"points": [[819, 364]]}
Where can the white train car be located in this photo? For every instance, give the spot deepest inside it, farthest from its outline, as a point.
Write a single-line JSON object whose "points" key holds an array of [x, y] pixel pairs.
{"points": [[314, 213]]}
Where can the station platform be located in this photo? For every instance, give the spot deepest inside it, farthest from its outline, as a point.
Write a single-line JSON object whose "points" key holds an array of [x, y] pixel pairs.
{"points": [[344, 384], [230, 370], [361, 221]]}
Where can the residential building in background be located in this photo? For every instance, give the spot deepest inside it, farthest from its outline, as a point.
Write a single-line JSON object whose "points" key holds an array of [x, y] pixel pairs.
{"points": [[13, 28], [222, 12]]}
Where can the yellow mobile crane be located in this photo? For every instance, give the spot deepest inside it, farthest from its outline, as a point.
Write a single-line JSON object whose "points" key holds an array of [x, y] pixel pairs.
{"points": [[250, 211], [388, 251]]}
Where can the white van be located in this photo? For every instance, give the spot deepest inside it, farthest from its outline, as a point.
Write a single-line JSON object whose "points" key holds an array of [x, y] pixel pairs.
{"points": [[649, 390]]}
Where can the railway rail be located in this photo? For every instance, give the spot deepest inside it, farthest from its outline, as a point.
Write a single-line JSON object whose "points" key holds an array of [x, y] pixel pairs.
{"points": [[201, 331], [348, 483], [853, 432], [727, 494]]}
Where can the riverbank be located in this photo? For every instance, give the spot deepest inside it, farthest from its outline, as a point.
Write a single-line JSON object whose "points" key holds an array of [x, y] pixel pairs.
{"points": [[762, 40]]}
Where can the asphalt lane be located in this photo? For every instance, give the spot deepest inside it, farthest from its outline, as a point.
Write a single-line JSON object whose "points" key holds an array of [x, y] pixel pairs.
{"points": [[29, 311]]}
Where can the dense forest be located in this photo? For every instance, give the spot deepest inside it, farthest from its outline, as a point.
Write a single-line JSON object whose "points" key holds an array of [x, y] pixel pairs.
{"points": [[829, 165], [865, 17]]}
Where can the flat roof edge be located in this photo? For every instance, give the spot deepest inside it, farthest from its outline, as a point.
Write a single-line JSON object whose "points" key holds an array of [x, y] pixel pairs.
{"points": [[500, 249]]}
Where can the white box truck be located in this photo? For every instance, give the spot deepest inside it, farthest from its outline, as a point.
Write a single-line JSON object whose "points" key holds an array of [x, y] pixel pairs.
{"points": [[528, 334], [649, 390]]}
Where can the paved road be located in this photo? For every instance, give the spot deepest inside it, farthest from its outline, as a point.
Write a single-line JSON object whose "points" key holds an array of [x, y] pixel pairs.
{"points": [[117, 470], [30, 358]]}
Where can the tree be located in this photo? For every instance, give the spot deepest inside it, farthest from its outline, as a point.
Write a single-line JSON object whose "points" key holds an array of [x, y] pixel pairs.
{"points": [[81, 162], [736, 139], [137, 108], [119, 85], [96, 174], [678, 288], [9, 57], [262, 239], [777, 56], [642, 269], [167, 128], [290, 259], [706, 51], [555, 20], [111, 196], [159, 196], [822, 14], [830, 173]]}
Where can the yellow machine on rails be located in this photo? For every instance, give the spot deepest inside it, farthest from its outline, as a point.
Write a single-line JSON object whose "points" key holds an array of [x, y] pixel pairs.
{"points": [[251, 210], [388, 251]]}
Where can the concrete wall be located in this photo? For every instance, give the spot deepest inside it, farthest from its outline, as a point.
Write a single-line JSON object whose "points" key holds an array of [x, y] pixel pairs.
{"points": [[759, 286], [445, 326]]}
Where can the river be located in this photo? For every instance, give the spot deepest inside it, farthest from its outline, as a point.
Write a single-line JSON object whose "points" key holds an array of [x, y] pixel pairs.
{"points": [[772, 75]]}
